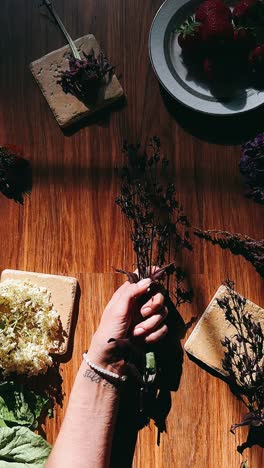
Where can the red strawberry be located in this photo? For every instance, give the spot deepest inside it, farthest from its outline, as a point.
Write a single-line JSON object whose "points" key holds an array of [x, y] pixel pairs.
{"points": [[256, 59], [13, 149], [189, 38], [243, 9], [217, 29], [212, 6], [244, 39], [208, 68]]}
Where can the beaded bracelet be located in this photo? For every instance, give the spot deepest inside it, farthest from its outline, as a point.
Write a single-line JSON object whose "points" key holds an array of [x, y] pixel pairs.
{"points": [[104, 372]]}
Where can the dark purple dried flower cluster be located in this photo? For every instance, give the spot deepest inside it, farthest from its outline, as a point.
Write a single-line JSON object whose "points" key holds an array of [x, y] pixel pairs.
{"points": [[15, 173], [85, 77], [251, 249], [252, 167], [158, 231], [244, 356], [158, 225]]}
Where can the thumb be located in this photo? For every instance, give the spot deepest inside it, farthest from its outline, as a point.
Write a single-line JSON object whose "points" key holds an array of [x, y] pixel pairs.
{"points": [[129, 292]]}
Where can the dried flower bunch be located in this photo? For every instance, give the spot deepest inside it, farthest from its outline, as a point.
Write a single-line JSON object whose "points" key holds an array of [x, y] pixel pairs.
{"points": [[86, 73], [244, 356], [158, 225], [30, 328], [86, 76], [252, 167], [251, 249], [158, 231], [15, 173]]}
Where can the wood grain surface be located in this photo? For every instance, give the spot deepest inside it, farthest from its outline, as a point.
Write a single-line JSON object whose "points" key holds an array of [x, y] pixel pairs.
{"points": [[71, 226]]}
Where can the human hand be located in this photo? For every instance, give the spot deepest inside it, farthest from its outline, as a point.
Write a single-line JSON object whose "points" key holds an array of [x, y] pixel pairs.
{"points": [[123, 318]]}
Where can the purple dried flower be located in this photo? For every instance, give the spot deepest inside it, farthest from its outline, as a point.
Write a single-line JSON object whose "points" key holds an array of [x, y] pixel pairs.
{"points": [[85, 77], [159, 227], [252, 167], [251, 249], [244, 356], [158, 231], [15, 173]]}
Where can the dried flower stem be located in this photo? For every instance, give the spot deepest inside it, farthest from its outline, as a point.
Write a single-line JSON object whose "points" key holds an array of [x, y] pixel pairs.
{"points": [[155, 217], [252, 250], [158, 226], [244, 464], [64, 31], [244, 356]]}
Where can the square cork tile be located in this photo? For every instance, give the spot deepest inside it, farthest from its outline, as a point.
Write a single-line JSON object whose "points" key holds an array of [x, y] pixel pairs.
{"points": [[204, 343], [66, 108], [63, 292]]}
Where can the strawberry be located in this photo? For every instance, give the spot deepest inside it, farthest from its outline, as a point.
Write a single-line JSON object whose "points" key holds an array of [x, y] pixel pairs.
{"points": [[244, 39], [242, 11], [189, 38], [13, 149], [256, 59], [212, 6], [217, 29]]}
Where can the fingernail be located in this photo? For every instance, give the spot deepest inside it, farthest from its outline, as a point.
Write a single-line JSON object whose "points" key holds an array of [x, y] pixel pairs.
{"points": [[146, 310], [154, 288], [144, 282], [139, 331]]}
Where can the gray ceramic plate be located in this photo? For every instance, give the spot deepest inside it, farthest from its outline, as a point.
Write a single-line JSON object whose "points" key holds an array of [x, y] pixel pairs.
{"points": [[175, 76]]}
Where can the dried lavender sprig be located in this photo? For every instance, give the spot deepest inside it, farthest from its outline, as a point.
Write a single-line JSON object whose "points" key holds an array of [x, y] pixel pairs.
{"points": [[86, 73], [85, 76], [252, 167], [244, 356], [158, 225], [251, 249]]}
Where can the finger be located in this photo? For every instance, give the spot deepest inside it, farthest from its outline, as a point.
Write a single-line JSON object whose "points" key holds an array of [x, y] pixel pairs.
{"points": [[134, 288], [129, 292], [152, 305], [151, 323], [157, 334], [117, 294], [121, 290]]}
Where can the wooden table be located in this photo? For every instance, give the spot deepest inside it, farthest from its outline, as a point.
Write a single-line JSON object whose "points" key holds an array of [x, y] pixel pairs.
{"points": [[70, 224]]}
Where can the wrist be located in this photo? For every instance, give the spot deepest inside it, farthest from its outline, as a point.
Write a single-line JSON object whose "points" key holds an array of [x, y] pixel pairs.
{"points": [[109, 375], [106, 356], [112, 366]]}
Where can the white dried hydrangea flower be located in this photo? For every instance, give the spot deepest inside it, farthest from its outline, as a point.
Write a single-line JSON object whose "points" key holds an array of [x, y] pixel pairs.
{"points": [[30, 328]]}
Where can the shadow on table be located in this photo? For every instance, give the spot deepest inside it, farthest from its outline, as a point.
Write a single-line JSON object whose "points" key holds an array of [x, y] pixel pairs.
{"points": [[232, 130], [169, 359], [101, 118], [255, 437], [255, 434], [68, 355]]}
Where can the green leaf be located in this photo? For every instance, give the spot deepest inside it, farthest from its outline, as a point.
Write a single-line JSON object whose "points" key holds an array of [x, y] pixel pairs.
{"points": [[19, 405], [244, 464], [20, 447], [150, 363]]}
